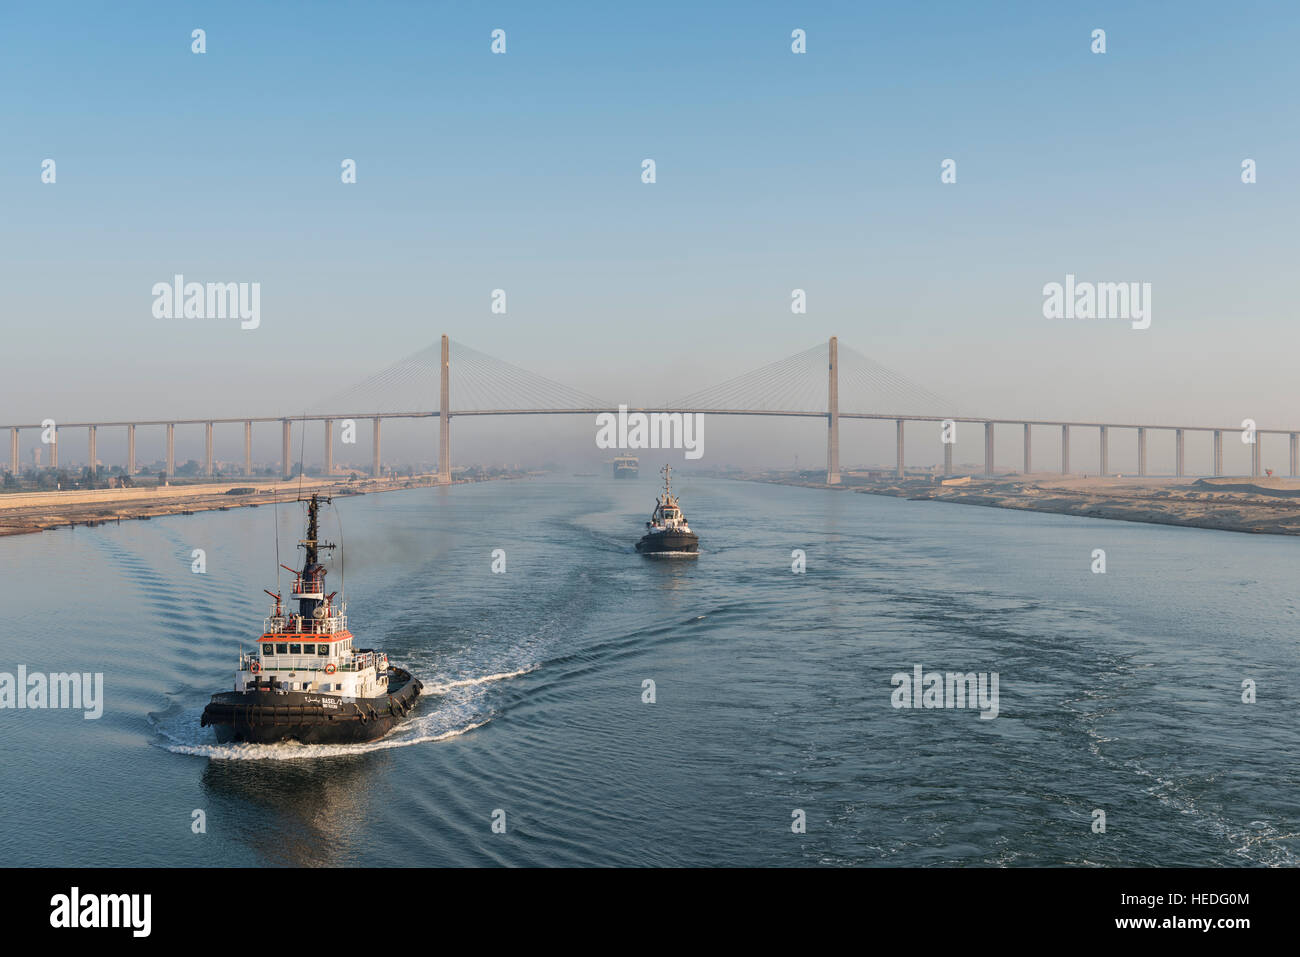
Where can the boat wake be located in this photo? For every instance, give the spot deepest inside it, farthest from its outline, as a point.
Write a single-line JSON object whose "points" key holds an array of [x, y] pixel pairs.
{"points": [[431, 687], [458, 710]]}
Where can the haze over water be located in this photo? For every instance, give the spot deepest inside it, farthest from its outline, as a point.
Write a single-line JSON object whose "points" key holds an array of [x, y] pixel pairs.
{"points": [[1119, 691]]}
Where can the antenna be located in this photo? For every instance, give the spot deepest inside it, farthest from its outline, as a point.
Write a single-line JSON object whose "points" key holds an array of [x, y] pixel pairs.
{"points": [[275, 501], [342, 561]]}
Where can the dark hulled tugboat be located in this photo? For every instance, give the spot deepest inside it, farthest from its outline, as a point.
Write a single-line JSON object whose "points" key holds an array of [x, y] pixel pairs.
{"points": [[667, 533], [307, 682]]}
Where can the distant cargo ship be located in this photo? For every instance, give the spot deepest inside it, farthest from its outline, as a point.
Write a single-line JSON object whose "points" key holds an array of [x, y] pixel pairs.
{"points": [[626, 466]]}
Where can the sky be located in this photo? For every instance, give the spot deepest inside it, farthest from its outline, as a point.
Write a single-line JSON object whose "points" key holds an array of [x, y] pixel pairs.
{"points": [[775, 171]]}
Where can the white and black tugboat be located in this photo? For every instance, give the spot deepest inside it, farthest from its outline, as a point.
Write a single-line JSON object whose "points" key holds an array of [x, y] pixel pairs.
{"points": [[307, 682], [667, 533]]}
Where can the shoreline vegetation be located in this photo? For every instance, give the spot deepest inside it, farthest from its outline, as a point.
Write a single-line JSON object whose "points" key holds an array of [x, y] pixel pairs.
{"points": [[23, 513], [1251, 504]]}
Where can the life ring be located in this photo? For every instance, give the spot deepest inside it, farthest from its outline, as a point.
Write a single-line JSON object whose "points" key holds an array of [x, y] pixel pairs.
{"points": [[330, 668], [255, 667]]}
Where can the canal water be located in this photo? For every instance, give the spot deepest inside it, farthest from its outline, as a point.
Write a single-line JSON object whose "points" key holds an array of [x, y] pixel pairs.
{"points": [[772, 737]]}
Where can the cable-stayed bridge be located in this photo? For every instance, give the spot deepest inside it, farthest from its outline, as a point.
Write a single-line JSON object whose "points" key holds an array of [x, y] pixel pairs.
{"points": [[828, 382]]}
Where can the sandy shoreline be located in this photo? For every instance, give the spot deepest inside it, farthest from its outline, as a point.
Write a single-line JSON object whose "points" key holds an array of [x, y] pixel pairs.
{"points": [[1261, 506], [26, 512]]}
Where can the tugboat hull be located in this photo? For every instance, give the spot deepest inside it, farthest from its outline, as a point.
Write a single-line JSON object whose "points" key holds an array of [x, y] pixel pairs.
{"points": [[669, 543], [269, 717]]}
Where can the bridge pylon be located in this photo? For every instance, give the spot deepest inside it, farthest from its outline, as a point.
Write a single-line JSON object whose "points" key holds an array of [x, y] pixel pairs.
{"points": [[833, 416], [444, 417]]}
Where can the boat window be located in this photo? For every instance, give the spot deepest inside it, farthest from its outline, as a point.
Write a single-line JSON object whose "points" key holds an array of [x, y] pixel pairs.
{"points": [[309, 649], [323, 650], [282, 649], [295, 649]]}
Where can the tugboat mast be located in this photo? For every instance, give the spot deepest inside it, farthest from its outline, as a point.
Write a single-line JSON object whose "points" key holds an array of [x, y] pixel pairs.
{"points": [[311, 542]]}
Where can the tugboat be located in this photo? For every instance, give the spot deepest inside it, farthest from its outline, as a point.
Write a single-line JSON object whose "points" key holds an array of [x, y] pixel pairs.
{"points": [[667, 532], [307, 682]]}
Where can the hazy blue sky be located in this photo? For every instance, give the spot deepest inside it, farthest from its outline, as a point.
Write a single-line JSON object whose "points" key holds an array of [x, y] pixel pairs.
{"points": [[775, 171]]}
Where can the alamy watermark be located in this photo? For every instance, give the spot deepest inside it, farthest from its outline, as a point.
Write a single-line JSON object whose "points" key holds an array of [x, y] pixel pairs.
{"points": [[952, 689], [651, 430], [1129, 301], [179, 299], [62, 690]]}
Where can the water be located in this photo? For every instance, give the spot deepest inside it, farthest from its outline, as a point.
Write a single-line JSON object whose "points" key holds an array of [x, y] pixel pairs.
{"points": [[1119, 692]]}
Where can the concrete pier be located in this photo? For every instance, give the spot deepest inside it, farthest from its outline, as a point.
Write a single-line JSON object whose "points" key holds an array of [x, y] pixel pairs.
{"points": [[1065, 450], [248, 447], [833, 414], [444, 416], [1105, 453], [374, 468], [130, 450], [898, 456]]}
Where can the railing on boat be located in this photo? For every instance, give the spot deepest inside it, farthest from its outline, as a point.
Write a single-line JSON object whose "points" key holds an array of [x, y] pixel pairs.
{"points": [[298, 625]]}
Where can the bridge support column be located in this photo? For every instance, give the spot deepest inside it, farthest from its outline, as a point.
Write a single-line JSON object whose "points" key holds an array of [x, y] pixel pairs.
{"points": [[54, 447], [1105, 453], [1142, 451], [130, 450], [171, 451], [1179, 456], [248, 447], [947, 457], [988, 448], [1065, 450], [329, 446], [444, 416], [92, 450], [1295, 452], [286, 447], [898, 466], [833, 414], [1255, 455], [1029, 467], [207, 445], [1216, 454], [374, 468], [13, 450]]}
